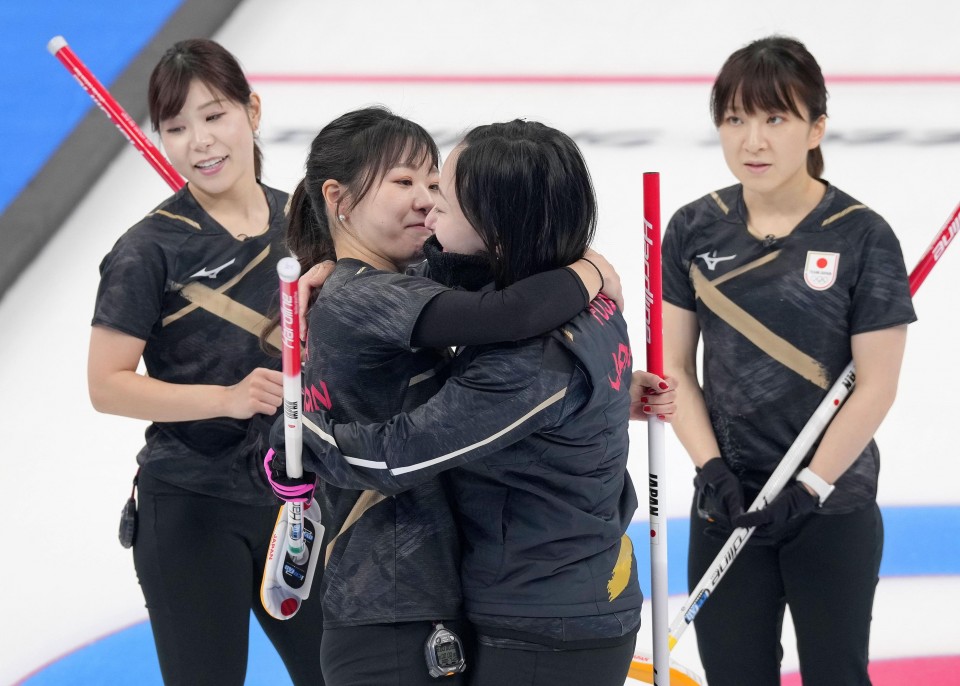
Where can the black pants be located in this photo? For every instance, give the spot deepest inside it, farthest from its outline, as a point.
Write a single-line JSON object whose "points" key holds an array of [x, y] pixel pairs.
{"points": [[200, 563], [827, 573], [498, 666], [386, 655]]}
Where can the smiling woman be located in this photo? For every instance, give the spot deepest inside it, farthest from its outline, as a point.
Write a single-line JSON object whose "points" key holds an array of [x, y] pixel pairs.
{"points": [[208, 116], [206, 133], [386, 228], [184, 291]]}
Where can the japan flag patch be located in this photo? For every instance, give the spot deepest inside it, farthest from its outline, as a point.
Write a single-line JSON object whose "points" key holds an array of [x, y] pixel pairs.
{"points": [[820, 271]]}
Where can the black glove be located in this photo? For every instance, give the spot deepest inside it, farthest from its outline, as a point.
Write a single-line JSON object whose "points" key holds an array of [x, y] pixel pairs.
{"points": [[793, 505], [719, 496], [288, 489]]}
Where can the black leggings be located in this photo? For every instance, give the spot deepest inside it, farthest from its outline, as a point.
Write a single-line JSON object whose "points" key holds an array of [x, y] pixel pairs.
{"points": [[827, 574], [387, 655], [200, 563], [497, 666]]}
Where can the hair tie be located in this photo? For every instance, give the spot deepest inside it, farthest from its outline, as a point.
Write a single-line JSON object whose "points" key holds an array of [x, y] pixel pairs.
{"points": [[599, 273]]}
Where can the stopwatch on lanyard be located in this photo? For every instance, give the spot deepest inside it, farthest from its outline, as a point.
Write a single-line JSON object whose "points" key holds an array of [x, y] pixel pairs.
{"points": [[444, 653]]}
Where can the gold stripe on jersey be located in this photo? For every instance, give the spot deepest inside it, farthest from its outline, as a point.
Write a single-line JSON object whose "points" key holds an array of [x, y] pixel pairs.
{"points": [[230, 310], [773, 345], [185, 220], [720, 203], [621, 569], [842, 214], [366, 500], [169, 319]]}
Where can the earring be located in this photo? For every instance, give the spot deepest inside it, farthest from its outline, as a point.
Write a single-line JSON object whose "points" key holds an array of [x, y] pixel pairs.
{"points": [[341, 218]]}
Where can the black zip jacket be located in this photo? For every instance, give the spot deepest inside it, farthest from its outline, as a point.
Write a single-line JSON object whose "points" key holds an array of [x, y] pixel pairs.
{"points": [[538, 430]]}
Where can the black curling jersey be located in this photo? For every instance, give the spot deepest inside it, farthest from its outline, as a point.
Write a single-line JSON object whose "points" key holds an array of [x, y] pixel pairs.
{"points": [[388, 558], [534, 434], [199, 298], [776, 317]]}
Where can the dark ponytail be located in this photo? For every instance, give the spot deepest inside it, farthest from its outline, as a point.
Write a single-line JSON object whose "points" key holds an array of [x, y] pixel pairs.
{"points": [[308, 232]]}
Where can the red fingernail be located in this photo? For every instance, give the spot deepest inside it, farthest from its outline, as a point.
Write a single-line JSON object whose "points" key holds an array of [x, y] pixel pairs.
{"points": [[646, 408], [643, 398], [663, 385], [660, 416]]}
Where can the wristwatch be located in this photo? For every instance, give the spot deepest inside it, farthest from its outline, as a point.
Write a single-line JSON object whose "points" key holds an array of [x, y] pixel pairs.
{"points": [[819, 486]]}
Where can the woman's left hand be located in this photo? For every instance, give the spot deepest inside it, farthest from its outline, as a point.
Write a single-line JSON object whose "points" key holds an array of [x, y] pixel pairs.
{"points": [[652, 396], [791, 506]]}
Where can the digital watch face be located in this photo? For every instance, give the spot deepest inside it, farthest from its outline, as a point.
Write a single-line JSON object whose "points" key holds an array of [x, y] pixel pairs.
{"points": [[448, 654], [444, 653]]}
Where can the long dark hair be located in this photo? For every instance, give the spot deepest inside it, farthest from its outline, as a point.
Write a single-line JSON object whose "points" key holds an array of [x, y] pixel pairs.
{"points": [[771, 74], [355, 149], [203, 60], [525, 188]]}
